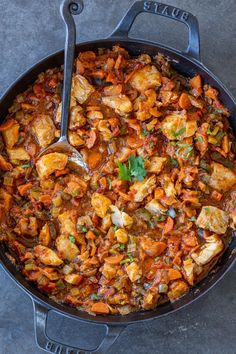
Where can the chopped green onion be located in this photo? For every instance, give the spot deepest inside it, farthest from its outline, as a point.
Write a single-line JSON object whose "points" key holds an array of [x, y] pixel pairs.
{"points": [[60, 284], [160, 218], [72, 238], [179, 132], [192, 218], [109, 183], [122, 246], [84, 229], [157, 258], [94, 297], [151, 224], [163, 288], [27, 165]]}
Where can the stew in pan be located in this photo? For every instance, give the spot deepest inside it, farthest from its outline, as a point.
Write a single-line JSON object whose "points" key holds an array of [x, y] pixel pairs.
{"points": [[153, 215]]}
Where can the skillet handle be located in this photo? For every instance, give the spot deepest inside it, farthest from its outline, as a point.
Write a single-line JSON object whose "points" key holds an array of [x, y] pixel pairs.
{"points": [[52, 346], [174, 13]]}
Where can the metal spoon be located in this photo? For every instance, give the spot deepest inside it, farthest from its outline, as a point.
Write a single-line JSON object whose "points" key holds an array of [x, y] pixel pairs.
{"points": [[68, 8]]}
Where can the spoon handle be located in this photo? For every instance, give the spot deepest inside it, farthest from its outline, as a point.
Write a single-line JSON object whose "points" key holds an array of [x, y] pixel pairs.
{"points": [[67, 9]]}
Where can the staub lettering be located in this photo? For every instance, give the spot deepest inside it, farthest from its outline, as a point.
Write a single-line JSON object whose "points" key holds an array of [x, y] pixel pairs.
{"points": [[165, 10], [53, 347]]}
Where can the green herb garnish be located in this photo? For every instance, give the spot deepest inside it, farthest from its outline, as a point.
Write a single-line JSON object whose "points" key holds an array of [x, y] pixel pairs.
{"points": [[134, 169], [192, 218], [127, 260], [160, 218], [199, 139], [151, 224], [122, 246]]}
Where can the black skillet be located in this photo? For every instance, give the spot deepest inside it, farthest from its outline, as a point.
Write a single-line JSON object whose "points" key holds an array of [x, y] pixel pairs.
{"points": [[188, 63]]}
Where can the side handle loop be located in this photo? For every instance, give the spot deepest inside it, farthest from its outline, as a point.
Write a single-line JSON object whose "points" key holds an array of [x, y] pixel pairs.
{"points": [[52, 346], [156, 8]]}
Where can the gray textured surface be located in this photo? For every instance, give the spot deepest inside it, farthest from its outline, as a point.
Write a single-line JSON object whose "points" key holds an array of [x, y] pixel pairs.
{"points": [[31, 29]]}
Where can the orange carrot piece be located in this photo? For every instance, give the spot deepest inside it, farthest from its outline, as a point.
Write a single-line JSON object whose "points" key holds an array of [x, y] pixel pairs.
{"points": [[24, 188], [135, 142], [103, 182], [90, 235], [100, 307], [174, 274], [113, 260], [216, 195], [168, 225], [158, 193], [61, 173], [45, 199], [7, 125], [196, 82], [94, 159], [184, 101], [211, 93]]}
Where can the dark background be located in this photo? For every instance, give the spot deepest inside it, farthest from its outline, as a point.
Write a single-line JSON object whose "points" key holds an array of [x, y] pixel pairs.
{"points": [[32, 29]]}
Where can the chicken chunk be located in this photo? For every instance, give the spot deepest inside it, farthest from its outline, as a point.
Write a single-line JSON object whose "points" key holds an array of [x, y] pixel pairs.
{"points": [[174, 126], [120, 218], [168, 186], [143, 188], [213, 219], [146, 78], [222, 178], [81, 88], [44, 236], [67, 225], [191, 127], [27, 226], [75, 139], [50, 163], [47, 256], [73, 279], [100, 204], [156, 164], [67, 249], [177, 289], [191, 270], [121, 104], [44, 130], [133, 271], [155, 208], [77, 119], [11, 135], [18, 154], [5, 199], [211, 248]]}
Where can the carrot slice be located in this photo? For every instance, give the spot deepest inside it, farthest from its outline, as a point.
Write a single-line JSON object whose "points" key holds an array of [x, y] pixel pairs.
{"points": [[23, 189], [90, 235], [184, 101], [114, 259], [7, 125], [103, 182], [168, 225], [45, 199], [196, 82], [94, 159], [100, 307], [174, 274]]}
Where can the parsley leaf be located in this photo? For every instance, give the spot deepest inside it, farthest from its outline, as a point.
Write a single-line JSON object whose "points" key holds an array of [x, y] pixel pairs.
{"points": [[134, 169], [124, 172]]}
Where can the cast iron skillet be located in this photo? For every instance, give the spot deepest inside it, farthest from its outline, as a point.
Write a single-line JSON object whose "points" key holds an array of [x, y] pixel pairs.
{"points": [[187, 63]]}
